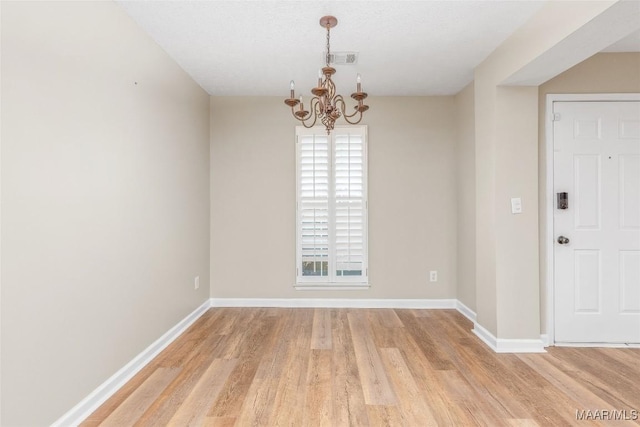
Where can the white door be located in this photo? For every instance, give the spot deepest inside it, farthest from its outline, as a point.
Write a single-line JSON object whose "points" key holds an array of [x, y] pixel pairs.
{"points": [[597, 237]]}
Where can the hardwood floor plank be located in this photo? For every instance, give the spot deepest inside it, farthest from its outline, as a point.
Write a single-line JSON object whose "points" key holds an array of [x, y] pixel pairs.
{"points": [[141, 399], [536, 393], [383, 327], [473, 404], [321, 331], [349, 408], [195, 363], [531, 396], [387, 318], [250, 350], [244, 328], [432, 351], [412, 404], [225, 323], [374, 381], [289, 402], [388, 416], [438, 397], [547, 393], [486, 371], [318, 406], [603, 379], [466, 398], [580, 395], [620, 361], [189, 342], [523, 423], [218, 422], [258, 401], [275, 346], [258, 404], [193, 342], [195, 407], [478, 366], [624, 358], [459, 326], [116, 400]]}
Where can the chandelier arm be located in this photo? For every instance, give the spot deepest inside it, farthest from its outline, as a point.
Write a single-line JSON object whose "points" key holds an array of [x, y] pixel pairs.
{"points": [[293, 113], [313, 111], [343, 107], [356, 122]]}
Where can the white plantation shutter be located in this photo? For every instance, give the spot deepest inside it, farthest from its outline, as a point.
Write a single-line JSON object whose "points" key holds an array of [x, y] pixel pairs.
{"points": [[349, 204], [313, 204], [331, 205]]}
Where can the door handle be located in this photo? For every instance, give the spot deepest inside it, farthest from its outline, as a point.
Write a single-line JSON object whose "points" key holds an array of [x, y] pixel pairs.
{"points": [[563, 240]]}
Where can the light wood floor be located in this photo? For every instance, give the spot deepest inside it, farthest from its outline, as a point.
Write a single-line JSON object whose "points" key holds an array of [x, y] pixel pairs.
{"points": [[359, 367]]}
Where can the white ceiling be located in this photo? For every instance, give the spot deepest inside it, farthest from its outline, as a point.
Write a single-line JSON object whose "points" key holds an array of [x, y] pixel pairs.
{"points": [[254, 48]]}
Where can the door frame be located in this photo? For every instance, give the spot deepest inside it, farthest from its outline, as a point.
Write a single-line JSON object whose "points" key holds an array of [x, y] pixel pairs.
{"points": [[549, 215]]}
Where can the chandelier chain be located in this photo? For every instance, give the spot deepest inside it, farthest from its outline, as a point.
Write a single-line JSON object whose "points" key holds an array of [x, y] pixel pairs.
{"points": [[328, 46]]}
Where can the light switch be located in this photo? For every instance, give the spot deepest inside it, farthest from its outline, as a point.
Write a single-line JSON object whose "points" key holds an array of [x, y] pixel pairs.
{"points": [[516, 205]]}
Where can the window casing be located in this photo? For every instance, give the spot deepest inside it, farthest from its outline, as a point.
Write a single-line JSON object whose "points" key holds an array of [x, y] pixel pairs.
{"points": [[331, 201]]}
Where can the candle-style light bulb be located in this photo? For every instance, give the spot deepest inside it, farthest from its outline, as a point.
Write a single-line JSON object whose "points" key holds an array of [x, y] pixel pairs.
{"points": [[301, 108], [292, 86], [358, 83]]}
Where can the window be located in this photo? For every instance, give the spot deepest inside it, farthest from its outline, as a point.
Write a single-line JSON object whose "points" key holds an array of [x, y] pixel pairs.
{"points": [[331, 205]]}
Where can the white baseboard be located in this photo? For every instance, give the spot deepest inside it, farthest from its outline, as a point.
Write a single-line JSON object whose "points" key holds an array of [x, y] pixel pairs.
{"points": [[334, 303], [545, 340], [466, 311], [502, 345], [82, 410], [597, 344]]}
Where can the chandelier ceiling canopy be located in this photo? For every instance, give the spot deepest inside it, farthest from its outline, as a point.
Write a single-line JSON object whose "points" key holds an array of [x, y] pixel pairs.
{"points": [[326, 104]]}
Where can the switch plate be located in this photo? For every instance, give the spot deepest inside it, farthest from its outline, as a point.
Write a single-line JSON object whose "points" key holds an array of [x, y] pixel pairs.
{"points": [[516, 205], [196, 282], [433, 276]]}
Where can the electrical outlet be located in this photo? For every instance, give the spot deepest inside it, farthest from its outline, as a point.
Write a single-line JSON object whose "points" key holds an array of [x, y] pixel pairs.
{"points": [[433, 276], [196, 282]]}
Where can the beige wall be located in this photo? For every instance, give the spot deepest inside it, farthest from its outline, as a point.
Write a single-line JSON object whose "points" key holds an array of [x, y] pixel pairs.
{"points": [[412, 199], [516, 168], [602, 73], [466, 196], [105, 213]]}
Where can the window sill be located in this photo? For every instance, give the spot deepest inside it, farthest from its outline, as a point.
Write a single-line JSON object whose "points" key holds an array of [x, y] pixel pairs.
{"points": [[331, 286]]}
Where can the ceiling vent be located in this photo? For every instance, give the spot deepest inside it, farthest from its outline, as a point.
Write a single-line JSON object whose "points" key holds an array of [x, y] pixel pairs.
{"points": [[342, 58]]}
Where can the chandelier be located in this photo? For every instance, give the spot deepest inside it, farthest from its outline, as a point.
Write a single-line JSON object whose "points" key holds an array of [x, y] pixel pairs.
{"points": [[326, 104]]}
